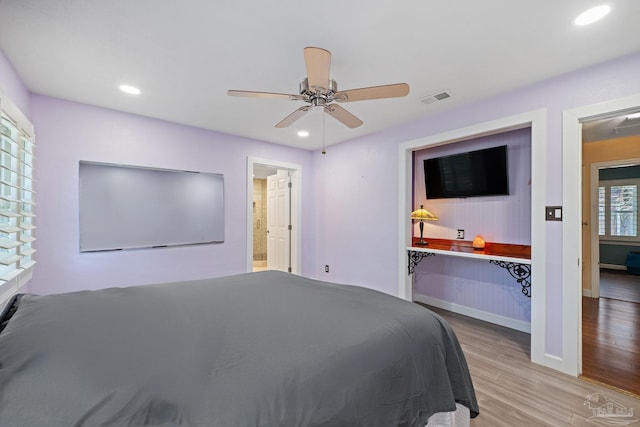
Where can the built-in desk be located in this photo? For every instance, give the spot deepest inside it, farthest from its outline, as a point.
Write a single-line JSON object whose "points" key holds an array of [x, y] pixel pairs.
{"points": [[516, 259]]}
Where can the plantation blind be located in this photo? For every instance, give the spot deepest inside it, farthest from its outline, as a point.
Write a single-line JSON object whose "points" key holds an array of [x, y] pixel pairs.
{"points": [[17, 200], [618, 210], [624, 210]]}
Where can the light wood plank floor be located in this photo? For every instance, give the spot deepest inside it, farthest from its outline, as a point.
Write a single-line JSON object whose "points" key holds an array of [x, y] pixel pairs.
{"points": [[512, 391]]}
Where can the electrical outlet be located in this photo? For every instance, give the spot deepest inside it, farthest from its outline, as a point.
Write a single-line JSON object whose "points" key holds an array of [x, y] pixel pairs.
{"points": [[326, 268], [460, 234]]}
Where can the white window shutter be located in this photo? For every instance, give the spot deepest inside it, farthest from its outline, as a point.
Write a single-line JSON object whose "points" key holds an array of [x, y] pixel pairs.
{"points": [[17, 197]]}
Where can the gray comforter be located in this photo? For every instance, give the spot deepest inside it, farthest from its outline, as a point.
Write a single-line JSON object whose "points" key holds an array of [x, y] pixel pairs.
{"points": [[258, 349]]}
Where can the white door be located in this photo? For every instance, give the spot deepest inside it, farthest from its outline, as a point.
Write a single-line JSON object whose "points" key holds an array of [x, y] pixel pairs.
{"points": [[278, 221]]}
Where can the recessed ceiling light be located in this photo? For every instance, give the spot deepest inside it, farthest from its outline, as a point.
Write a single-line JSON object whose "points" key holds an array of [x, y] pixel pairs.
{"points": [[303, 133], [592, 15], [131, 90]]}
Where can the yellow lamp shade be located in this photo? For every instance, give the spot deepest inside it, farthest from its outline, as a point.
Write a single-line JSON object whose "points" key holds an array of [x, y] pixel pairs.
{"points": [[423, 214]]}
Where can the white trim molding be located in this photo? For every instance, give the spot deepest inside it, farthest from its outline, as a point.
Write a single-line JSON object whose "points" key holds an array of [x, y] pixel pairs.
{"points": [[537, 121], [497, 319]]}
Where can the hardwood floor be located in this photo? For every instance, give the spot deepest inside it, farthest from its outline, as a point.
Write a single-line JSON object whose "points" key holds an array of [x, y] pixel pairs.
{"points": [[618, 284], [611, 342], [513, 391]]}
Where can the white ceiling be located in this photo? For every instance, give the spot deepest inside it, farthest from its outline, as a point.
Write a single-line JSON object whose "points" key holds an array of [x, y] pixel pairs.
{"points": [[184, 56]]}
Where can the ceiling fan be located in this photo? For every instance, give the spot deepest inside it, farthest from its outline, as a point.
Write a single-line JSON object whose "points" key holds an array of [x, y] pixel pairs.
{"points": [[318, 90]]}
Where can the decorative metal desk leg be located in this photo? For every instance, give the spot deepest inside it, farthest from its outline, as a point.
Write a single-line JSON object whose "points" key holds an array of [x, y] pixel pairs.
{"points": [[520, 272], [415, 257]]}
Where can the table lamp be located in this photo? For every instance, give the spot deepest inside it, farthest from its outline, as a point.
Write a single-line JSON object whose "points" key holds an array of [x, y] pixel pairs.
{"points": [[422, 215]]}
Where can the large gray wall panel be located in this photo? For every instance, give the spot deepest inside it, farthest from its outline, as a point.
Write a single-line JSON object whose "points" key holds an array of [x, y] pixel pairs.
{"points": [[123, 207]]}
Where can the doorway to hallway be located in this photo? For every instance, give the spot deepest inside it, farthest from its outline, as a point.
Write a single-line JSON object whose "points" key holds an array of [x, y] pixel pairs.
{"points": [[273, 215]]}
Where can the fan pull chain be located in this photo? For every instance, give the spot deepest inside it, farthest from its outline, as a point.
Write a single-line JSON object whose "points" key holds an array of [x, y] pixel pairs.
{"points": [[324, 130]]}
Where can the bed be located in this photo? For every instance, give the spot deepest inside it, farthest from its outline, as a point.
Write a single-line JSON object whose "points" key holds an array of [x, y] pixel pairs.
{"points": [[256, 349]]}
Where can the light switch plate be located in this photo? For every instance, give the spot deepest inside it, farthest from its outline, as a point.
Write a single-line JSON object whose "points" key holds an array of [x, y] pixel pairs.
{"points": [[553, 213]]}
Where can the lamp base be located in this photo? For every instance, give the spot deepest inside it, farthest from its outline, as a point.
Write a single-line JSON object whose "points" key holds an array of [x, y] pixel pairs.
{"points": [[421, 243]]}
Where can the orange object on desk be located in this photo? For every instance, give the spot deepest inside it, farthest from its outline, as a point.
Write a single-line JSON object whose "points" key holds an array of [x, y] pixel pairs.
{"points": [[478, 242]]}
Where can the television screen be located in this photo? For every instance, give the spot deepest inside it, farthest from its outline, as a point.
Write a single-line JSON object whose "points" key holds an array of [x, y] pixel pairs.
{"points": [[471, 174]]}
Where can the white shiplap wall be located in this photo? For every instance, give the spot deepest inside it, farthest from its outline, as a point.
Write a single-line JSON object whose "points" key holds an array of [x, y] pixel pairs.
{"points": [[505, 219]]}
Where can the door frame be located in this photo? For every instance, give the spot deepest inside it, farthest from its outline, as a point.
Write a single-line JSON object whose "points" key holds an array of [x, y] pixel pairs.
{"points": [[537, 121], [296, 209], [572, 120]]}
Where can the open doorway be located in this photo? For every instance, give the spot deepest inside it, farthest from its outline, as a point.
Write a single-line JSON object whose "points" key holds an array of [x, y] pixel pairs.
{"points": [[610, 218], [260, 207], [611, 294], [273, 215], [272, 228]]}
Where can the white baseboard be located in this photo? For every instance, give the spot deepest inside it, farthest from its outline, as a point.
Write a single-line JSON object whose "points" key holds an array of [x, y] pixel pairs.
{"points": [[555, 362], [486, 316], [613, 266], [586, 293]]}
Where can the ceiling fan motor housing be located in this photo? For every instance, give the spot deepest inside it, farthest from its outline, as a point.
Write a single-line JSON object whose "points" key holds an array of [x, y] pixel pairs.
{"points": [[318, 98]]}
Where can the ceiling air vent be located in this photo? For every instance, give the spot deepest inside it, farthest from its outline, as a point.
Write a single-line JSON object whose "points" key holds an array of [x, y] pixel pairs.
{"points": [[435, 97]]}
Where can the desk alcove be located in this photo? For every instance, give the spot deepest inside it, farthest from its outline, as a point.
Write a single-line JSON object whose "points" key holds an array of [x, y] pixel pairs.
{"points": [[516, 259]]}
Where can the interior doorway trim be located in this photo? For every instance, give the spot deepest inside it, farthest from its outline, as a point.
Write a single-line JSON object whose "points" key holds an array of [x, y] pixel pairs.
{"points": [[572, 120], [296, 209], [537, 121]]}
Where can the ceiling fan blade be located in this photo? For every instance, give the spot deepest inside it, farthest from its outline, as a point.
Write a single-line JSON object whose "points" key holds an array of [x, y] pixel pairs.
{"points": [[342, 115], [373, 92], [270, 95], [291, 118], [318, 62]]}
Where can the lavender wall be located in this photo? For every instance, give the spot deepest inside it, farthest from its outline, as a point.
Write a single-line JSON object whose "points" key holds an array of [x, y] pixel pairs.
{"points": [[68, 132], [357, 182], [12, 85], [355, 189]]}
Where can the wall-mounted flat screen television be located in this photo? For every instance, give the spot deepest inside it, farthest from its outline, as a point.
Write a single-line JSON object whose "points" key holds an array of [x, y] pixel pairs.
{"points": [[472, 174]]}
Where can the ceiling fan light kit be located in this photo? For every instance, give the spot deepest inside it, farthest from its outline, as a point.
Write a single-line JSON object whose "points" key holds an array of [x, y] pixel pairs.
{"points": [[319, 91]]}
